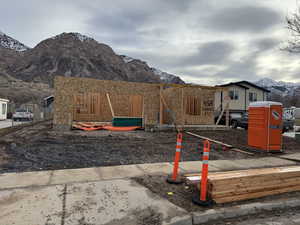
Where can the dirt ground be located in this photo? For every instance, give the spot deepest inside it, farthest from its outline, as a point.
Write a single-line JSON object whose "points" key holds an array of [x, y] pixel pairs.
{"points": [[182, 194], [41, 148]]}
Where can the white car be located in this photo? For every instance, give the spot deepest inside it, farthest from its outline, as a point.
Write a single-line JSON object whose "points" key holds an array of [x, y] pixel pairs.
{"points": [[22, 114]]}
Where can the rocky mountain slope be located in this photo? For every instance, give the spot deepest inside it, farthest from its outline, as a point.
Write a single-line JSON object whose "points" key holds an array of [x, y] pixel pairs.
{"points": [[67, 54], [11, 43], [163, 76], [280, 88]]}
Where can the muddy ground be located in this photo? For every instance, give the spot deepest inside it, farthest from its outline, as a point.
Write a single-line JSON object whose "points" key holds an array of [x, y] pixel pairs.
{"points": [[41, 148], [182, 194]]}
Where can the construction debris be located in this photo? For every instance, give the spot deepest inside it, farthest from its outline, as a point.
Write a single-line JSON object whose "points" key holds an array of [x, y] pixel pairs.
{"points": [[240, 185], [90, 126]]}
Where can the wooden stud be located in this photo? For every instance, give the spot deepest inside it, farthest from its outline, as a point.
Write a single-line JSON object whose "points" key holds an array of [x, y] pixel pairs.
{"points": [[161, 109], [182, 107], [110, 105]]}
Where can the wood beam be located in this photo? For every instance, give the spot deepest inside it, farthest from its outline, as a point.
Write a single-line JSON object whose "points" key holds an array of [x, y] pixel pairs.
{"points": [[110, 105]]}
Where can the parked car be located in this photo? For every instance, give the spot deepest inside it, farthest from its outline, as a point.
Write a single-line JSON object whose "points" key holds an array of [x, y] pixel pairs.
{"points": [[223, 119], [240, 122], [243, 123], [22, 114]]}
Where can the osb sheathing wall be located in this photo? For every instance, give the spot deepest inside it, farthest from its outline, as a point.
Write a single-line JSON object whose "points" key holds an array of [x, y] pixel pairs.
{"points": [[173, 98], [176, 99], [67, 87], [207, 98]]}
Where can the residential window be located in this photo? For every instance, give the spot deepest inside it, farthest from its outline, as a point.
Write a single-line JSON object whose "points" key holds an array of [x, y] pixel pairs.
{"points": [[252, 97], [234, 94], [3, 108]]}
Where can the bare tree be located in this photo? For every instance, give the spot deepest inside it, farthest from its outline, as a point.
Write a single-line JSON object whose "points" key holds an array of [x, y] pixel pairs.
{"points": [[293, 25]]}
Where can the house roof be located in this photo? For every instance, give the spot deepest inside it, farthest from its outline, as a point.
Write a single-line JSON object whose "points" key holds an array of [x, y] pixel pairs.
{"points": [[240, 83], [51, 96], [4, 100], [233, 83]]}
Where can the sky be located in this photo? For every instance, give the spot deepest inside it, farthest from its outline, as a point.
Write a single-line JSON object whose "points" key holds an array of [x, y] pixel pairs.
{"points": [[202, 41]]}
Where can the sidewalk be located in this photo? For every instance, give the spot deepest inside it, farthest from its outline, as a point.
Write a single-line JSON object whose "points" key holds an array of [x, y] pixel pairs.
{"points": [[44, 178], [102, 195]]}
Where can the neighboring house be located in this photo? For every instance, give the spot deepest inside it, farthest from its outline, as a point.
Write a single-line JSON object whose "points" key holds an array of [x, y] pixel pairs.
{"points": [[3, 108], [240, 95]]}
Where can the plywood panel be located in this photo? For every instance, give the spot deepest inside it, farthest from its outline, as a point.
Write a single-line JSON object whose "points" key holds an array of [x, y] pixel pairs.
{"points": [[136, 106]]}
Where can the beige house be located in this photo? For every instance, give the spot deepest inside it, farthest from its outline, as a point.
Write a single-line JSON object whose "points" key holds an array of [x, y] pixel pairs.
{"points": [[3, 108], [240, 95]]}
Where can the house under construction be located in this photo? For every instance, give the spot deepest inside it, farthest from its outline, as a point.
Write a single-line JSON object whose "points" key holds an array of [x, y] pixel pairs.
{"points": [[91, 100]]}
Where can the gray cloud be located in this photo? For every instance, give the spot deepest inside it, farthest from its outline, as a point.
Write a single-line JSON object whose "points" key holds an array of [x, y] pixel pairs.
{"points": [[210, 53], [114, 22], [244, 19], [266, 43], [217, 39]]}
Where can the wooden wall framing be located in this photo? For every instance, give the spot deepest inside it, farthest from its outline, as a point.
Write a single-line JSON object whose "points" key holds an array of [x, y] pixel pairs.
{"points": [[191, 106], [95, 106], [90, 95]]}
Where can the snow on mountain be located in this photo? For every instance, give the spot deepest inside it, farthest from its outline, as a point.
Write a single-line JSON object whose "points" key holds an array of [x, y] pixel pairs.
{"points": [[281, 88], [268, 82], [166, 77], [76, 35], [11, 43], [127, 59], [163, 76]]}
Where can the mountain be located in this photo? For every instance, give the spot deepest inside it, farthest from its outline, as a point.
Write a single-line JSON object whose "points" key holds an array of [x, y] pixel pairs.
{"points": [[163, 76], [67, 54], [11, 43], [280, 88], [268, 82], [76, 55]]}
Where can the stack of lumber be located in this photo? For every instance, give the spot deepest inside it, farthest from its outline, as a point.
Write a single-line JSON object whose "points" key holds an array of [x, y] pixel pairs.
{"points": [[249, 184]]}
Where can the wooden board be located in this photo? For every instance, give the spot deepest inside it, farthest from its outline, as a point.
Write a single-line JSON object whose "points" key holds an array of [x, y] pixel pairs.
{"points": [[255, 188], [247, 184], [206, 138], [245, 173], [257, 194]]}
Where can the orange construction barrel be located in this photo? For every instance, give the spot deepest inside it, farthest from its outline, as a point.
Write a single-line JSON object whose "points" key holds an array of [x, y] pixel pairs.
{"points": [[265, 125]]}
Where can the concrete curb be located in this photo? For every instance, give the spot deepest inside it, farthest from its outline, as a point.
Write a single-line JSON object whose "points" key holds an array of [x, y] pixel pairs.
{"points": [[182, 220], [242, 210]]}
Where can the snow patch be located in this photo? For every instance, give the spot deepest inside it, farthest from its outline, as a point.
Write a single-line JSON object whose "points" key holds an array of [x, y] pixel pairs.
{"points": [[268, 82], [78, 36], [127, 59], [163, 76], [10, 43]]}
